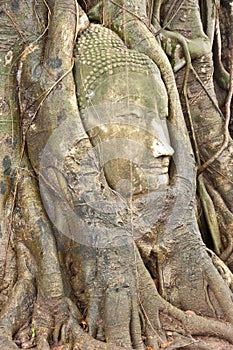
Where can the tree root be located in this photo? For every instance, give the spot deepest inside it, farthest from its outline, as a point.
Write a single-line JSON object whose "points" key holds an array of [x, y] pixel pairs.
{"points": [[191, 323], [225, 216], [121, 296], [222, 268], [18, 310], [155, 311]]}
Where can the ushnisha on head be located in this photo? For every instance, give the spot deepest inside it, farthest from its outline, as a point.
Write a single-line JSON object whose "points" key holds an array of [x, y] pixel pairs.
{"points": [[124, 105]]}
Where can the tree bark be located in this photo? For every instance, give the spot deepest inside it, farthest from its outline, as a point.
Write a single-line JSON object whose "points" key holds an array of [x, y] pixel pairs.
{"points": [[81, 266]]}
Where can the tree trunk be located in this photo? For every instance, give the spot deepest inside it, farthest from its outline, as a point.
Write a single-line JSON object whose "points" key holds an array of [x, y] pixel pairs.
{"points": [[100, 246]]}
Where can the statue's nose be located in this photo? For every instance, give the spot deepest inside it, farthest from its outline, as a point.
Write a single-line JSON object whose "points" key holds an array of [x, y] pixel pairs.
{"points": [[161, 148], [161, 143]]}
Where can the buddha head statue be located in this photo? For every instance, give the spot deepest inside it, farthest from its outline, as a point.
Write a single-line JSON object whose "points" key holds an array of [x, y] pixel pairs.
{"points": [[123, 104]]}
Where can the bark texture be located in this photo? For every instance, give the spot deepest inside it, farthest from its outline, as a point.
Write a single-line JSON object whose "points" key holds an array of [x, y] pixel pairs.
{"points": [[116, 163]]}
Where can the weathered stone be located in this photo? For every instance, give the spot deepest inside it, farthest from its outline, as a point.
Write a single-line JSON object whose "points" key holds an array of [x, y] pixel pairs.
{"points": [[123, 105]]}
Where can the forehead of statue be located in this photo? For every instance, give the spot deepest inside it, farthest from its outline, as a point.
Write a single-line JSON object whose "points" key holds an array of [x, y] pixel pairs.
{"points": [[136, 88], [127, 121], [131, 117]]}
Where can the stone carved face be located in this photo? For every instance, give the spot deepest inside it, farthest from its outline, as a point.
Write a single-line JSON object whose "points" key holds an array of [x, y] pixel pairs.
{"points": [[124, 105], [129, 131]]}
